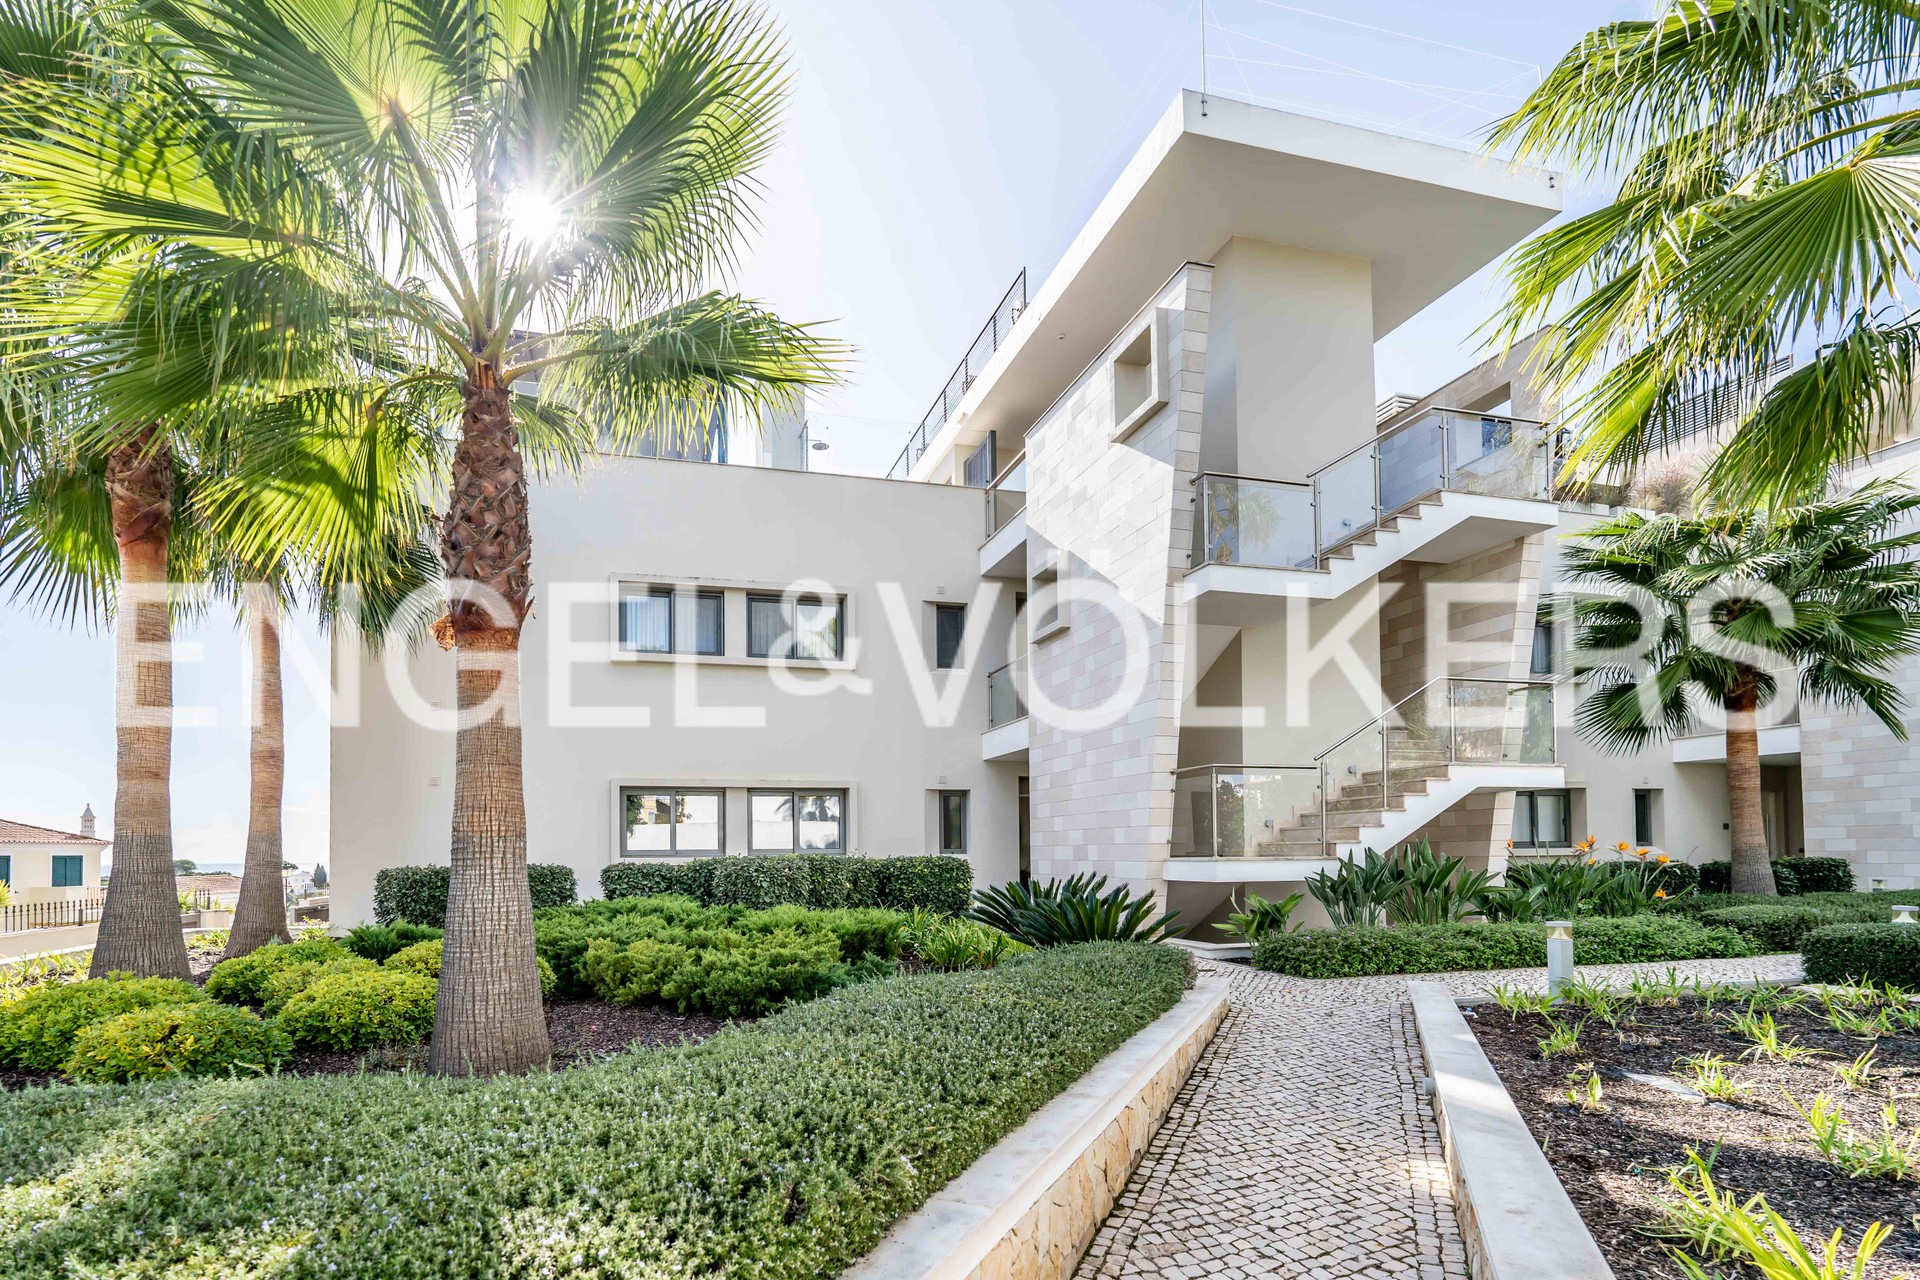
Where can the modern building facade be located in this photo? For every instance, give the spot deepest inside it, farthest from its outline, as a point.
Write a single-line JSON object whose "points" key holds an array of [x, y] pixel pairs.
{"points": [[1155, 591]]}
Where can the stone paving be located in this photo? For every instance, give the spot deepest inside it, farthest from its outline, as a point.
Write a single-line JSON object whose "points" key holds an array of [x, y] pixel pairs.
{"points": [[1300, 1146]]}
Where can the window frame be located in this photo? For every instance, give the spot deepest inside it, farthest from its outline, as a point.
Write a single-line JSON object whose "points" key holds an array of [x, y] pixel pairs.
{"points": [[6, 869], [1531, 800], [797, 600], [77, 864], [793, 795], [941, 801], [942, 659], [677, 643], [1643, 837], [673, 849]]}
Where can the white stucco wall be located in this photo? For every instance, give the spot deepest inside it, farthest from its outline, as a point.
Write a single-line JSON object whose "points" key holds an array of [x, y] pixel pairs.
{"points": [[713, 526], [31, 874]]}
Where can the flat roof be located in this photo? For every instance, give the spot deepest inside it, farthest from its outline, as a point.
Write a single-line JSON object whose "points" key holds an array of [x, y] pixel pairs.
{"points": [[1426, 217]]}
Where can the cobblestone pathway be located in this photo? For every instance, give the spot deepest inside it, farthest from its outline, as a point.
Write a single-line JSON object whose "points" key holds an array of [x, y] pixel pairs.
{"points": [[1300, 1147]]}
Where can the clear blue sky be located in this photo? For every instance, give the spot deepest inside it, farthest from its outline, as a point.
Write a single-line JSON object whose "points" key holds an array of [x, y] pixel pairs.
{"points": [[934, 147]]}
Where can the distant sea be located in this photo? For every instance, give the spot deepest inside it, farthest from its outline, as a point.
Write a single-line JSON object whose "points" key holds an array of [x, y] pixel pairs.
{"points": [[215, 868]]}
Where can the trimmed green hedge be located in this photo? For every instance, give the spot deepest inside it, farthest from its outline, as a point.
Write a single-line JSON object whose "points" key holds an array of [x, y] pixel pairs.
{"points": [[199, 1039], [419, 894], [1773, 926], [781, 1150], [1791, 876], [243, 979], [1446, 948], [1840, 908], [938, 882], [1863, 953], [361, 1009]]}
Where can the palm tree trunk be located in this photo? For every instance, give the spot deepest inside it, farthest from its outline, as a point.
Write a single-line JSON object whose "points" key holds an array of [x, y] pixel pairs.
{"points": [[140, 921], [488, 1018], [261, 914], [1752, 866]]}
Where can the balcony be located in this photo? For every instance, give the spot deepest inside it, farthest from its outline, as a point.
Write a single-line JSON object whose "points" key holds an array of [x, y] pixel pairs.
{"points": [[1004, 553], [998, 326], [1006, 735], [1375, 786], [1441, 487]]}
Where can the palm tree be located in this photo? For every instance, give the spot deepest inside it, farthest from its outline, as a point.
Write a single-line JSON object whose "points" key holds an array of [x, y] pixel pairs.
{"points": [[506, 195], [1717, 610], [1768, 204]]}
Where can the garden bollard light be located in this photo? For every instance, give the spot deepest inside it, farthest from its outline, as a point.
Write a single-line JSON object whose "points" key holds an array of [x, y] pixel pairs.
{"points": [[1905, 915], [1559, 955]]}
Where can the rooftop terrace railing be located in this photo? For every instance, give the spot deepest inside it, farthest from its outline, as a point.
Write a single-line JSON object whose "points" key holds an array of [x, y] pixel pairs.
{"points": [[1005, 314], [1284, 524]]}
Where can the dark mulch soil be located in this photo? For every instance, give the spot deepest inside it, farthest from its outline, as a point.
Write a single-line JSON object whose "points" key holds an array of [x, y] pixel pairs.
{"points": [[1613, 1163]]}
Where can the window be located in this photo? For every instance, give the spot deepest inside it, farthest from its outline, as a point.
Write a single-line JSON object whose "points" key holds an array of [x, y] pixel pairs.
{"points": [[6, 868], [953, 822], [949, 626], [979, 469], [650, 622], [798, 821], [664, 821], [1643, 817], [1542, 820], [1542, 663], [810, 627], [1052, 617], [69, 870]]}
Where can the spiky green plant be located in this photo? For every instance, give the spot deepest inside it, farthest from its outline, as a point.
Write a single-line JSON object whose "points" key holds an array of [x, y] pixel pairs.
{"points": [[1082, 909]]}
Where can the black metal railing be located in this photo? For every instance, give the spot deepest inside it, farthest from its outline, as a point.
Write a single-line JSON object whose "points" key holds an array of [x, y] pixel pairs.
{"points": [[992, 334], [22, 916]]}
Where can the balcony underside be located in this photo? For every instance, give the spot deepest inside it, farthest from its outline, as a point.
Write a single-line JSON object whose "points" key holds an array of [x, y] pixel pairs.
{"points": [[1005, 741], [1456, 526], [1004, 555], [1779, 745]]}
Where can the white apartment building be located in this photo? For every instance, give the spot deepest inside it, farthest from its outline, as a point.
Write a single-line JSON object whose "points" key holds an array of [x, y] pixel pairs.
{"points": [[1155, 591]]}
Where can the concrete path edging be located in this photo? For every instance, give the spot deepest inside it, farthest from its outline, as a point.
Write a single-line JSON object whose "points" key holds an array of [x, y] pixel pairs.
{"points": [[1515, 1216], [1030, 1206]]}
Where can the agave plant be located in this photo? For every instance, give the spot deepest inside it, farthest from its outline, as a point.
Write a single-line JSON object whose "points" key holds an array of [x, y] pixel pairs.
{"points": [[1081, 910]]}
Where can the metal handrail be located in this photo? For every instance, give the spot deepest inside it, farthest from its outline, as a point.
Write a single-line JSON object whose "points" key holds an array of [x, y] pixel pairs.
{"points": [[1527, 683], [1378, 436], [1019, 698], [962, 376]]}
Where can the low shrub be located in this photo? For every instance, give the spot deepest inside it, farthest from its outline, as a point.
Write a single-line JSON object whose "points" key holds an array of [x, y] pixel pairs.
{"points": [[290, 981], [1843, 908], [641, 879], [1370, 950], [243, 979], [938, 882], [1773, 926], [953, 943], [761, 882], [38, 1027], [424, 958], [732, 975], [781, 1150], [199, 1039], [1884, 953], [824, 881], [376, 942], [360, 1010], [1792, 877], [419, 894]]}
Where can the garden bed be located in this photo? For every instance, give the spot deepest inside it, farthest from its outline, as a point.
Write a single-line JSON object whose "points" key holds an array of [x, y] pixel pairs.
{"points": [[1613, 1161], [778, 1149]]}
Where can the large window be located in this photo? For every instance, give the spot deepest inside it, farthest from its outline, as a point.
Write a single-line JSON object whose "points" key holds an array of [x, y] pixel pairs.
{"points": [[69, 870], [811, 627], [949, 629], [798, 821], [651, 622], [953, 822], [1542, 820], [665, 821]]}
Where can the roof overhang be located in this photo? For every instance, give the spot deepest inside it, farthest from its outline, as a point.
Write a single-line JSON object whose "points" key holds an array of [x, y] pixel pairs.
{"points": [[1425, 216]]}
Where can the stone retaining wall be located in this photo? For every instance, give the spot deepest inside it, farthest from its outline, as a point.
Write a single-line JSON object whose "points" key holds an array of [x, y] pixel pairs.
{"points": [[1029, 1207]]}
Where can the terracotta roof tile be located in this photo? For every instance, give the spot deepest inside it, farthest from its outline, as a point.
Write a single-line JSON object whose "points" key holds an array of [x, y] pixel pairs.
{"points": [[23, 833]]}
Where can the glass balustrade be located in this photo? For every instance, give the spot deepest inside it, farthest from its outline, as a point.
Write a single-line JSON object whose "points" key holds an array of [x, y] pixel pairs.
{"points": [[1247, 811], [1006, 697], [1292, 525], [1264, 523], [1007, 497]]}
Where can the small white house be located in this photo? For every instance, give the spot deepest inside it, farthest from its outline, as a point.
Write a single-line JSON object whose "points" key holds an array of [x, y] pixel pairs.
{"points": [[40, 864]]}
